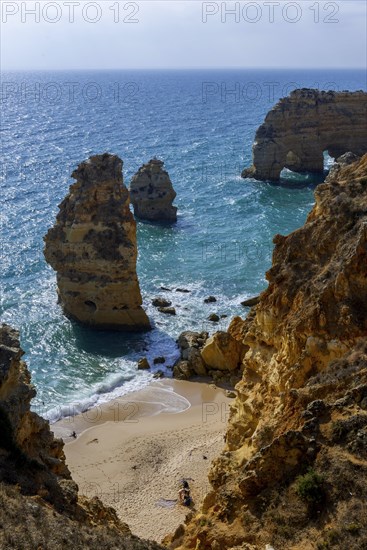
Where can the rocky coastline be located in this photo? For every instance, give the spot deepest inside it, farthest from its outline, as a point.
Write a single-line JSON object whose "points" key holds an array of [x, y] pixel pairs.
{"points": [[41, 505], [299, 419], [299, 362], [300, 127]]}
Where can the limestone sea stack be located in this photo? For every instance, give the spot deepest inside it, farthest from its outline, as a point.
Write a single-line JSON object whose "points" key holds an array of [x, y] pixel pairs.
{"points": [[302, 126], [92, 247], [152, 193]]}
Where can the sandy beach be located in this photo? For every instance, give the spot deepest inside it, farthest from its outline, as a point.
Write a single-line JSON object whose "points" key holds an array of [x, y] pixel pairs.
{"points": [[134, 451]]}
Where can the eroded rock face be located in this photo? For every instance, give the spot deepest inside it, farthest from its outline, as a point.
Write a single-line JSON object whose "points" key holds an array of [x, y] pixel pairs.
{"points": [[313, 310], [92, 247], [222, 352], [302, 126], [40, 506], [303, 388], [21, 429], [152, 193], [218, 357]]}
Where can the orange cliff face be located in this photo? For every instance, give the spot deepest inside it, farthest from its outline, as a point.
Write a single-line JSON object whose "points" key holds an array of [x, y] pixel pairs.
{"points": [[304, 372], [93, 249], [40, 505]]}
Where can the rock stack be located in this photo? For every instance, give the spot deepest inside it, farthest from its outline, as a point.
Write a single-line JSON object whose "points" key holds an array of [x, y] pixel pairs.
{"points": [[92, 247], [152, 193]]}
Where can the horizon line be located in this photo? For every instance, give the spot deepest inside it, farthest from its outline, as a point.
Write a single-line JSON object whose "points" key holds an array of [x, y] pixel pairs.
{"points": [[220, 68]]}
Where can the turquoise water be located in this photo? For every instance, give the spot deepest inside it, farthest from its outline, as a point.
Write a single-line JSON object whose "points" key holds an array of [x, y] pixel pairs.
{"points": [[202, 124]]}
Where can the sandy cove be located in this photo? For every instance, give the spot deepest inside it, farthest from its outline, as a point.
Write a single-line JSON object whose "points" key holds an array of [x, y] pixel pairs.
{"points": [[134, 451]]}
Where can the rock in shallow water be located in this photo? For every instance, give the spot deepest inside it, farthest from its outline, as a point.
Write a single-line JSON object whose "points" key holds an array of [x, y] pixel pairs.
{"points": [[210, 300], [167, 310], [143, 364], [214, 318], [160, 302], [159, 360]]}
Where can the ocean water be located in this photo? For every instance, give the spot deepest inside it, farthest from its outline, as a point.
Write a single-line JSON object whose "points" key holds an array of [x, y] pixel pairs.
{"points": [[202, 124]]}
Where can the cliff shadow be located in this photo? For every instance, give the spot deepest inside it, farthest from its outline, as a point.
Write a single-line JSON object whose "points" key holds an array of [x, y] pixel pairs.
{"points": [[109, 343], [114, 344], [300, 180]]}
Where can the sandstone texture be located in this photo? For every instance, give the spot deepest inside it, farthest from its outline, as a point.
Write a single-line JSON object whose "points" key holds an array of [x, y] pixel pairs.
{"points": [[92, 247], [221, 351], [218, 356], [152, 193], [40, 506], [22, 430], [301, 406], [302, 126]]}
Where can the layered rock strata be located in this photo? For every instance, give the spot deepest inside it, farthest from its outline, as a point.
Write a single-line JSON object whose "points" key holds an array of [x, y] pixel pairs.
{"points": [[302, 126], [152, 193], [24, 432], [302, 400], [40, 506], [92, 247]]}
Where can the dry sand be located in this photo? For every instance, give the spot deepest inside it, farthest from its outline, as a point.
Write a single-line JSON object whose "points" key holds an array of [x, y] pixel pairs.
{"points": [[132, 453]]}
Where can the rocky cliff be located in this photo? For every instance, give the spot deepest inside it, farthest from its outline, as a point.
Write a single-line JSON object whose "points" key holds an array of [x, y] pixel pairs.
{"points": [[301, 127], [40, 507], [294, 469], [92, 247], [152, 193]]}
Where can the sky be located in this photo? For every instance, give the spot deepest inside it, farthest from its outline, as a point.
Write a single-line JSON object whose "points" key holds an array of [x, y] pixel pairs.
{"points": [[113, 34]]}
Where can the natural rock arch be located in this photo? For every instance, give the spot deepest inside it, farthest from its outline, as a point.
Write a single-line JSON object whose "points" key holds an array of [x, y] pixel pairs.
{"points": [[298, 130]]}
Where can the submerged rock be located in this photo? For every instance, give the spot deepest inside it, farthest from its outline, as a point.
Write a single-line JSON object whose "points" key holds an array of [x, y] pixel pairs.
{"points": [[214, 318], [158, 374], [159, 360], [167, 310], [152, 193], [92, 247], [161, 302], [210, 300]]}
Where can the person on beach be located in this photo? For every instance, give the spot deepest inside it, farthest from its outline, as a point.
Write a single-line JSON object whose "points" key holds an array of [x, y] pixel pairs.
{"points": [[184, 494]]}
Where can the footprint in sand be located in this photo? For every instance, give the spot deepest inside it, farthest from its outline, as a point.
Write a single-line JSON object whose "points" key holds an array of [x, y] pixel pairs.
{"points": [[92, 441]]}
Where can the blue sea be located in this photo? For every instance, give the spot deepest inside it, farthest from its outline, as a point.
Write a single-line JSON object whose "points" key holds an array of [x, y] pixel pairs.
{"points": [[202, 124]]}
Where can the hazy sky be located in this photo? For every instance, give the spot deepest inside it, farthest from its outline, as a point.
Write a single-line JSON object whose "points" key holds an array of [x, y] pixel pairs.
{"points": [[113, 34]]}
